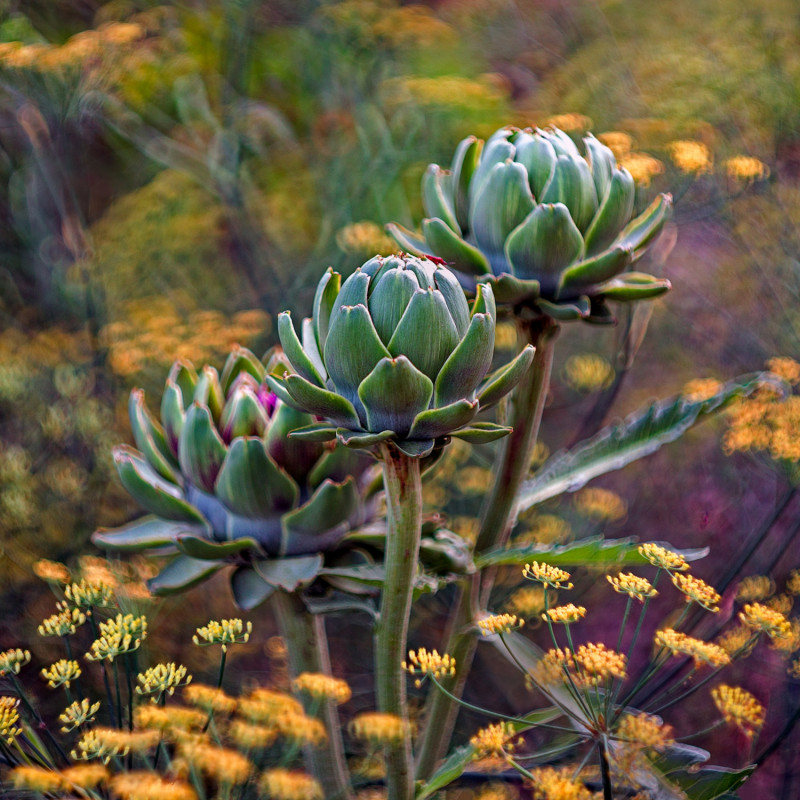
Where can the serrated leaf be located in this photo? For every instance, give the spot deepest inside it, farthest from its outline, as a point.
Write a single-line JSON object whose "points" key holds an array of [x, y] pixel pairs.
{"points": [[594, 551], [637, 436]]}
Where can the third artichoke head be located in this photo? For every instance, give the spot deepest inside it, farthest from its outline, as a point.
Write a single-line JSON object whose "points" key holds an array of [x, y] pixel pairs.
{"points": [[396, 353], [549, 228]]}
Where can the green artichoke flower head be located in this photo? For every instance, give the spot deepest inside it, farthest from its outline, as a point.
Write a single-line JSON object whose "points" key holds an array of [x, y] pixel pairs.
{"points": [[224, 484], [396, 353], [547, 227]]}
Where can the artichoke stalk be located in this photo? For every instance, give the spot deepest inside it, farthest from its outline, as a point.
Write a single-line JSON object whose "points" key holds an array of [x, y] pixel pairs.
{"points": [[548, 228], [395, 353], [553, 232], [226, 486], [396, 361]]}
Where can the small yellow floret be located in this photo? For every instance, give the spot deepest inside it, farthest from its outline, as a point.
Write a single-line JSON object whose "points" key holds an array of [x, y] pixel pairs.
{"points": [[224, 632], [599, 663], [209, 698], [690, 156], [378, 728], [527, 601], [494, 740], [600, 505], [323, 687], [36, 779], [663, 558], [173, 719], [547, 575], [680, 644], [632, 585], [746, 169], [565, 614], [222, 764], [588, 372], [249, 736], [766, 620], [555, 666], [266, 706], [52, 571], [642, 167], [646, 731], [86, 776], [429, 663], [121, 634], [754, 587], [786, 368], [558, 784], [163, 678], [62, 673], [78, 713], [13, 661], [9, 717], [148, 785], [698, 591], [700, 389], [499, 623], [90, 593], [63, 623], [284, 784], [739, 708]]}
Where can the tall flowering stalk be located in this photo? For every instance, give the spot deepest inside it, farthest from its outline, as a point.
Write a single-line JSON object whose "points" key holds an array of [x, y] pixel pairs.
{"points": [[395, 358], [553, 232]]}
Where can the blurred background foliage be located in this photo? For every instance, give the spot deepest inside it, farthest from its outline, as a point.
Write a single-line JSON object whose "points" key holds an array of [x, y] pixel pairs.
{"points": [[172, 175]]}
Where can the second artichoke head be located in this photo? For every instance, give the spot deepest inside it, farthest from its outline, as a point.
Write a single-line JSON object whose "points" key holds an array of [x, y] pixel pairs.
{"points": [[395, 352]]}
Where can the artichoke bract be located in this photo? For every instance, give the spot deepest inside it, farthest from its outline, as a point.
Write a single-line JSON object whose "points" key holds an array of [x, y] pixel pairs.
{"points": [[546, 227], [396, 353], [224, 484]]}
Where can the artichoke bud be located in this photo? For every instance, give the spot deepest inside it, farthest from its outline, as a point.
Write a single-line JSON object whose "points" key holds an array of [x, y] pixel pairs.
{"points": [[527, 207], [223, 483], [243, 414], [396, 354]]}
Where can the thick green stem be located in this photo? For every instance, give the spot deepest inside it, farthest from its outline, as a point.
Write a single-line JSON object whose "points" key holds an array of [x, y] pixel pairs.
{"points": [[401, 476], [511, 468], [514, 458], [307, 644]]}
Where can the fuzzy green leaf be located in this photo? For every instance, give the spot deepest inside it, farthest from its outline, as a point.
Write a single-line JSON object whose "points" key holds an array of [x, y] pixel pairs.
{"points": [[639, 435], [594, 551]]}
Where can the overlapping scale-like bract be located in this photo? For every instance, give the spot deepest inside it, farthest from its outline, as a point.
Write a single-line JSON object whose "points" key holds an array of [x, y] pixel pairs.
{"points": [[395, 352], [548, 227], [225, 485]]}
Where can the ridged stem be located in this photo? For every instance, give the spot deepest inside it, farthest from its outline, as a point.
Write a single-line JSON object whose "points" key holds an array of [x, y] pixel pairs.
{"points": [[401, 476], [511, 468], [307, 647]]}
